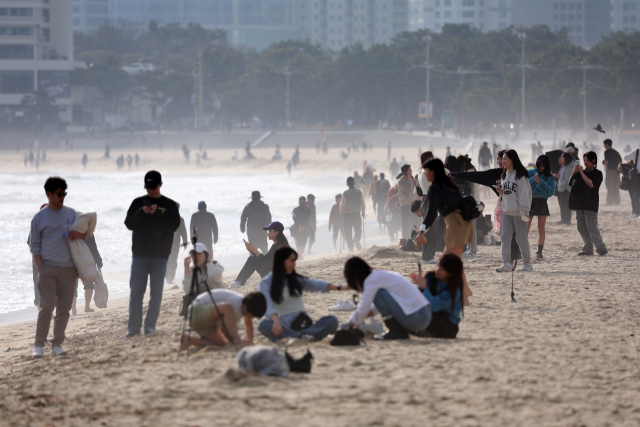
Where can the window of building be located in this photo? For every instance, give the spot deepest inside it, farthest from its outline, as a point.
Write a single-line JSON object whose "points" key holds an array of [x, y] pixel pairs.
{"points": [[16, 31], [563, 17], [571, 6], [97, 9], [16, 11], [96, 21], [76, 8], [572, 17], [563, 6], [628, 7], [468, 2], [76, 21], [467, 14], [447, 3], [502, 3], [556, 6], [579, 28], [16, 51], [46, 34], [437, 3], [578, 17], [45, 15], [481, 14], [437, 15], [502, 26], [447, 15], [503, 14], [16, 82]]}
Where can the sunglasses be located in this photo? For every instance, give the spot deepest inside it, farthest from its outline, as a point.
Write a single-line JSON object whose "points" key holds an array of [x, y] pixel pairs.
{"points": [[61, 194]]}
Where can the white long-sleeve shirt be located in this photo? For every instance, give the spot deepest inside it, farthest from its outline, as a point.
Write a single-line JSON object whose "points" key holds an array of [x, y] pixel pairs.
{"points": [[516, 199], [406, 294]]}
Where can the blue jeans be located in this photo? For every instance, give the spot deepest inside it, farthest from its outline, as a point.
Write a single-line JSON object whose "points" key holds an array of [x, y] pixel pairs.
{"points": [[321, 328], [413, 322], [141, 267]]}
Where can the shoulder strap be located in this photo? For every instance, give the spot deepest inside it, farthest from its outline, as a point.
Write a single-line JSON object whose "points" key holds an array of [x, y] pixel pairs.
{"points": [[637, 152]]}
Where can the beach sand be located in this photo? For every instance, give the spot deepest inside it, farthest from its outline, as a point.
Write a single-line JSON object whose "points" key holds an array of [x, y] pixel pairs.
{"points": [[566, 354]]}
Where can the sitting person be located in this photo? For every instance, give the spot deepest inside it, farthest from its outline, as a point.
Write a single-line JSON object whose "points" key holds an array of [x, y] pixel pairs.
{"points": [[286, 315], [407, 245], [438, 287], [257, 262], [205, 319], [402, 307], [210, 271]]}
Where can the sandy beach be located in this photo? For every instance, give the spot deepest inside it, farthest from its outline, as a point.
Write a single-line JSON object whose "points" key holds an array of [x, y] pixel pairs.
{"points": [[566, 354]]}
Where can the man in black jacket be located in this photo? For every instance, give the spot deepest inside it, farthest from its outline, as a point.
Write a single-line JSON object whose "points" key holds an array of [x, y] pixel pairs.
{"points": [[153, 219], [484, 156], [256, 214], [207, 226], [611, 161]]}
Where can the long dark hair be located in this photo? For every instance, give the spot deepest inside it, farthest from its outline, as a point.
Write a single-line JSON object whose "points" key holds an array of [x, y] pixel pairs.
{"points": [[568, 158], [465, 162], [544, 160], [452, 164], [281, 238], [279, 274], [453, 265], [441, 177], [517, 165], [356, 270]]}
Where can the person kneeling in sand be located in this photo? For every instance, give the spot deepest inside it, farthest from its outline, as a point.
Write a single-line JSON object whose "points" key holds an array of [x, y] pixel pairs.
{"points": [[402, 307], [286, 316], [438, 286], [207, 321]]}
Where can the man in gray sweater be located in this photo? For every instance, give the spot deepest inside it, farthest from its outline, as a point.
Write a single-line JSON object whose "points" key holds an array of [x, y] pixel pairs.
{"points": [[57, 272]]}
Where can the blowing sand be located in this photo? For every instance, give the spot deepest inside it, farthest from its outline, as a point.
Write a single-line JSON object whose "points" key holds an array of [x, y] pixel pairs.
{"points": [[566, 354]]}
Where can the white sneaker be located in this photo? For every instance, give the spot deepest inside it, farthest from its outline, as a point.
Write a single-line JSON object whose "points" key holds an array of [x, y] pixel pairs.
{"points": [[526, 267], [633, 216], [37, 351], [58, 351], [431, 261], [376, 327], [468, 255], [495, 240], [504, 268], [342, 305], [235, 285], [308, 337]]}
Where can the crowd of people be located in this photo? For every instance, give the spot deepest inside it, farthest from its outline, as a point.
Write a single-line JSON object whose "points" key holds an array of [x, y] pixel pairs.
{"points": [[433, 210]]}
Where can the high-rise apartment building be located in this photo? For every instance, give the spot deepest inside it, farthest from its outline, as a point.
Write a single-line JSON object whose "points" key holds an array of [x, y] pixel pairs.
{"points": [[485, 15], [625, 15], [88, 15], [36, 53], [340, 23]]}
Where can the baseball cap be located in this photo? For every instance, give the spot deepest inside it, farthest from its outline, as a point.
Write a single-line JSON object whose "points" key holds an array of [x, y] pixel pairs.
{"points": [[200, 247], [405, 168], [152, 179], [275, 225]]}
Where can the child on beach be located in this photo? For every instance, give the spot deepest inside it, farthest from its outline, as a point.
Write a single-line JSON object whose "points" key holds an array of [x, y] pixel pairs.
{"points": [[207, 322], [443, 289]]}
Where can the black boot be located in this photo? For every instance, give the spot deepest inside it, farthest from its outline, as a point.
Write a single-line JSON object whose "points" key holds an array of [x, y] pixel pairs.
{"points": [[396, 331]]}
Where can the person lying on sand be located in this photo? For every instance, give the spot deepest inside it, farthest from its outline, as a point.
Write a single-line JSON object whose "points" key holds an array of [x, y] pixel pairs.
{"points": [[286, 315], [438, 286], [207, 321]]}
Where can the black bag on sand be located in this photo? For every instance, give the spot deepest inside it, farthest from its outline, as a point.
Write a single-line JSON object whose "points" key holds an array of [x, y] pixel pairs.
{"points": [[302, 365], [349, 336]]}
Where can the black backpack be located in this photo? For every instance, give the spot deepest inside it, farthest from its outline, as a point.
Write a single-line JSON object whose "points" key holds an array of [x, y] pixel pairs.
{"points": [[470, 208]]}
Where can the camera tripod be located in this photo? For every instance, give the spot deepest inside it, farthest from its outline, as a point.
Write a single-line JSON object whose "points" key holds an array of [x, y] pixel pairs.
{"points": [[513, 269], [193, 293]]}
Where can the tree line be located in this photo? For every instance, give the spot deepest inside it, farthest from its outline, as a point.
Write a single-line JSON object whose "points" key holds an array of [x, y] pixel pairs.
{"points": [[475, 77]]}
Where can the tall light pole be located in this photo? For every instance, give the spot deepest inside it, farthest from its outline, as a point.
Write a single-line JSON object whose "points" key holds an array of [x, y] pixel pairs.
{"points": [[523, 36], [584, 69], [287, 73], [428, 67]]}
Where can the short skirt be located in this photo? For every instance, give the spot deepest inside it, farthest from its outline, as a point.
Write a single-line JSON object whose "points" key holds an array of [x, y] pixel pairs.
{"points": [[539, 207]]}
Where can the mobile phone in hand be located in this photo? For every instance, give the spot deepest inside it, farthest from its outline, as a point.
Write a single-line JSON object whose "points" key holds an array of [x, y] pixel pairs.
{"points": [[147, 203]]}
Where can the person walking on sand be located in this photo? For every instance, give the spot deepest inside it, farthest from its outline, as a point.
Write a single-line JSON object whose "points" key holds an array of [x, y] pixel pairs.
{"points": [[567, 163], [311, 204], [584, 199], [301, 229], [153, 219], [85, 160], [335, 221], [543, 186], [172, 262], [611, 161], [406, 195], [255, 215], [394, 168], [352, 209], [57, 271], [382, 191], [484, 156], [206, 225]]}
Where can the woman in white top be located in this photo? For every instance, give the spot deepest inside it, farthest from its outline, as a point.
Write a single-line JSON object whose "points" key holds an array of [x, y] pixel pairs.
{"points": [[286, 315], [402, 306]]}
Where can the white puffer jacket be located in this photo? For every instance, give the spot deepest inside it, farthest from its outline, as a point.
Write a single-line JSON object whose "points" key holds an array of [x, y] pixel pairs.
{"points": [[85, 223]]}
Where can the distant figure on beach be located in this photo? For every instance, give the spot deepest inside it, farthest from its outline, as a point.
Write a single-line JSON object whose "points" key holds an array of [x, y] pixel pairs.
{"points": [[172, 261], [248, 154], [85, 159], [289, 168], [153, 218], [136, 159], [311, 204], [352, 208], [278, 153], [296, 156], [120, 161], [258, 262], [394, 168], [389, 151], [335, 221], [57, 271], [301, 229], [107, 151], [206, 225], [255, 215], [485, 156], [129, 160], [235, 156], [185, 152]]}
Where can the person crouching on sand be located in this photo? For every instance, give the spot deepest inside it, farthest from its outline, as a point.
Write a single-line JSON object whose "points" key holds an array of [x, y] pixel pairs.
{"points": [[207, 321], [443, 289], [286, 316], [402, 307]]}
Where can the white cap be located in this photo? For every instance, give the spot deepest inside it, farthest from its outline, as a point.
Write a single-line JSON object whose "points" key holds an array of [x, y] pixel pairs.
{"points": [[200, 247]]}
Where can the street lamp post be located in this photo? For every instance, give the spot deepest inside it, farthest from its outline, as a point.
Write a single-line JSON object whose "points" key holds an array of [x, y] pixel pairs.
{"points": [[287, 73], [523, 36], [428, 67]]}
